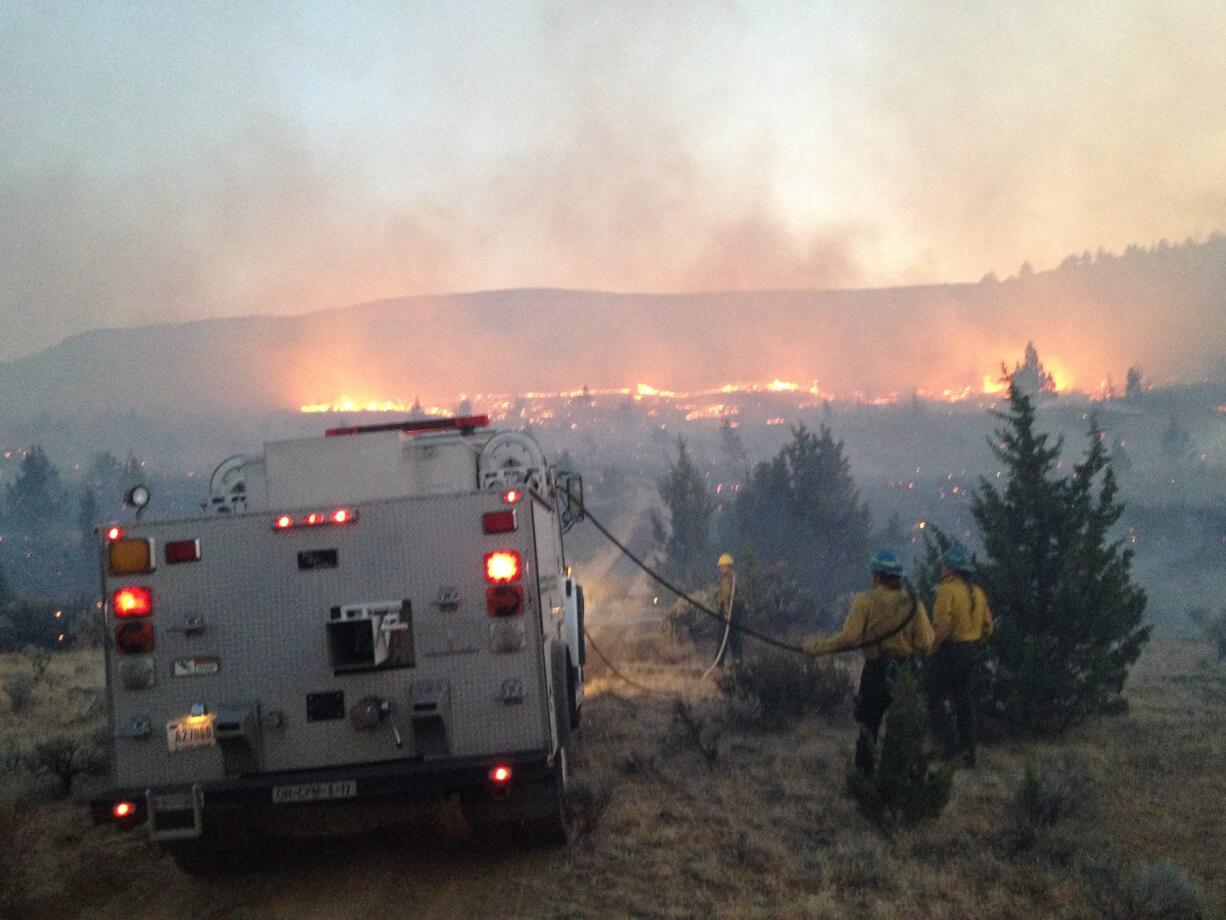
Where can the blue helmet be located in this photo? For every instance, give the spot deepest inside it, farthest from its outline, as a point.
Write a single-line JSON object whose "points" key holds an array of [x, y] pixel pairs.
{"points": [[886, 562], [956, 557]]}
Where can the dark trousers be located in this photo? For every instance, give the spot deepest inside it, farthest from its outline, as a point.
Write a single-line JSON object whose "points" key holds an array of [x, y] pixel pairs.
{"points": [[952, 678], [876, 682]]}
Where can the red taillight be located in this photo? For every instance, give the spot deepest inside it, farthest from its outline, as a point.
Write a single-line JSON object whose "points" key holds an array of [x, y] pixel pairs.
{"points": [[500, 774], [182, 551], [132, 601], [504, 600], [121, 810], [134, 637], [502, 566], [284, 522], [511, 496], [315, 517], [114, 533], [498, 521]]}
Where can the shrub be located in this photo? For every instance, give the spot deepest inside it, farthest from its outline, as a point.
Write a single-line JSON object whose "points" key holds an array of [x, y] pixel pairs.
{"points": [[691, 731], [1048, 793], [1151, 891], [586, 801], [39, 660], [19, 686], [904, 788], [780, 688], [66, 757]]}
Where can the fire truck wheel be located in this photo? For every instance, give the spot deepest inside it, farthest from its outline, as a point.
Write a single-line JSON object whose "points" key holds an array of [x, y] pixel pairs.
{"points": [[572, 680]]}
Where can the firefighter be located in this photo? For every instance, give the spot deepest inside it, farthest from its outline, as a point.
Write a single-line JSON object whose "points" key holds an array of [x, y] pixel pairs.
{"points": [[961, 620], [731, 609], [891, 625]]}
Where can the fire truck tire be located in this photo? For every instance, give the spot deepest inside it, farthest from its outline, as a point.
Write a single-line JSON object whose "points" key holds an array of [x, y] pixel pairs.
{"points": [[563, 689], [572, 680], [227, 845]]}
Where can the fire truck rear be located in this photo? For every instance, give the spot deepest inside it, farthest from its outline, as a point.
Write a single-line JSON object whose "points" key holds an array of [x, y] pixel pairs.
{"points": [[381, 614]]}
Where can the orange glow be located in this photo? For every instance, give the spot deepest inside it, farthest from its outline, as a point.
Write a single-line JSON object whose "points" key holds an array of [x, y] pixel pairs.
{"points": [[501, 566], [122, 809], [132, 601]]}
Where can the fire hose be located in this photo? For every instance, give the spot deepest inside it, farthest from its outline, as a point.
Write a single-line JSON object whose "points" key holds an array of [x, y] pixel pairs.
{"points": [[727, 621]]}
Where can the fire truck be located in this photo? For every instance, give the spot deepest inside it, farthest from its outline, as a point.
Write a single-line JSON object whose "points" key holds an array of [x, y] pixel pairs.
{"points": [[380, 614]]}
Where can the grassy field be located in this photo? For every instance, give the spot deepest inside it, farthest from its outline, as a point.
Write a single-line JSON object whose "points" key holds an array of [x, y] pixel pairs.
{"points": [[758, 826]]}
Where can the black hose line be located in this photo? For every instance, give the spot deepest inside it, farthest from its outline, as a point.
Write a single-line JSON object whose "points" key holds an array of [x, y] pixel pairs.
{"points": [[747, 630]]}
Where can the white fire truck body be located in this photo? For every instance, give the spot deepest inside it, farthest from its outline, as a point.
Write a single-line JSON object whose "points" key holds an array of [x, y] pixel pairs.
{"points": [[383, 613]]}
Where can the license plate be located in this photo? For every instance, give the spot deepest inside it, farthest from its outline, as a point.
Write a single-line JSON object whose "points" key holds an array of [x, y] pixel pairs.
{"points": [[184, 734], [314, 792]]}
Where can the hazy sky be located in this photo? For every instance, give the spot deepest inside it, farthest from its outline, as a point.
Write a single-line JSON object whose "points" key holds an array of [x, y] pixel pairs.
{"points": [[166, 161]]}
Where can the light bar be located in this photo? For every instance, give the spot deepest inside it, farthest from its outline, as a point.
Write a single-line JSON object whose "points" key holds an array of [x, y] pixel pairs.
{"points": [[464, 423], [337, 516]]}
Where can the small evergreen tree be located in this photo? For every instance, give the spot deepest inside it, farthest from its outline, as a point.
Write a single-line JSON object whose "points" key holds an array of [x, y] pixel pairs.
{"points": [[685, 537], [802, 508], [1069, 614], [927, 569], [1133, 385], [36, 498], [6, 593], [904, 788], [1030, 377]]}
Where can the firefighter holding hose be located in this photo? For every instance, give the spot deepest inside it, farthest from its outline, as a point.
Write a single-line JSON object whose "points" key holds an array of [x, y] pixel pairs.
{"points": [[891, 625], [730, 608]]}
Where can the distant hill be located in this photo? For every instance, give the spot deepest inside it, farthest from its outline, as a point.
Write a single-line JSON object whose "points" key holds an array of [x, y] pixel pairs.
{"points": [[1162, 308]]}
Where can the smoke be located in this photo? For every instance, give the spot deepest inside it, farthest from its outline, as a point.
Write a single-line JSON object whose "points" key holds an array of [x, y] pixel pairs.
{"points": [[264, 161]]}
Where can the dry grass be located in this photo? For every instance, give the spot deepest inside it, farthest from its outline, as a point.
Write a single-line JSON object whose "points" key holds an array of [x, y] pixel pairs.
{"points": [[766, 832]]}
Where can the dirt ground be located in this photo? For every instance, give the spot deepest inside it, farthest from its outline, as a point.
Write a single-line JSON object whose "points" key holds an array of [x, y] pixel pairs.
{"points": [[765, 830]]}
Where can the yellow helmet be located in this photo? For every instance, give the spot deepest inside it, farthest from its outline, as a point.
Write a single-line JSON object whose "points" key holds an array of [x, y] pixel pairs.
{"points": [[725, 559]]}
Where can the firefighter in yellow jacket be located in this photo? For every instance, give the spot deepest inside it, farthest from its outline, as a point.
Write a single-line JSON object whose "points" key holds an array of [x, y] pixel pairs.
{"points": [[891, 625], [731, 609], [961, 621]]}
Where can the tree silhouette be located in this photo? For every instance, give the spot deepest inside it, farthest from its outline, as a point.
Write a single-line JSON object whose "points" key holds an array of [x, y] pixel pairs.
{"points": [[1069, 614], [685, 536], [36, 498]]}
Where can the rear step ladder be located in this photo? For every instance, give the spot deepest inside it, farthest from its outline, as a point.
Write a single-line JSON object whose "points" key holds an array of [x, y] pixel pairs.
{"points": [[175, 815]]}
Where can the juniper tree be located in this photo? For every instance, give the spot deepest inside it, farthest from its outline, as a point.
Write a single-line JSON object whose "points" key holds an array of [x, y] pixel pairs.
{"points": [[1069, 616], [802, 509], [685, 537]]}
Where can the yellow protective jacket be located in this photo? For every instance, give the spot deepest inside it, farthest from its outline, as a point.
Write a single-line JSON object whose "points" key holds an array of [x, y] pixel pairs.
{"points": [[877, 613], [960, 613]]}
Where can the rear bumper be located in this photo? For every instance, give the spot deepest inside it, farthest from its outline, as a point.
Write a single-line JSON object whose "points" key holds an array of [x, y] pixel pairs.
{"points": [[394, 781]]}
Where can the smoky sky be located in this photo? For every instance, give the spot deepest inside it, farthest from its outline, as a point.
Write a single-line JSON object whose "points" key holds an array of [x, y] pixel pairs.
{"points": [[164, 162]]}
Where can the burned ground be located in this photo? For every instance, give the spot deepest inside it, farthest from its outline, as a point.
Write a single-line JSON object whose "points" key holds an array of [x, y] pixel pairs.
{"points": [[730, 820]]}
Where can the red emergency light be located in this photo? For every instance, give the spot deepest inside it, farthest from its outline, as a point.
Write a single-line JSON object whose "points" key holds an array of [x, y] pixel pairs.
{"points": [[512, 496], [500, 775], [315, 519], [113, 533], [502, 566], [132, 601]]}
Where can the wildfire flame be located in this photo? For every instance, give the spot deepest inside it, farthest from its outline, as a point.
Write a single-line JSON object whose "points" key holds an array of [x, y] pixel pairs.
{"points": [[708, 403]]}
